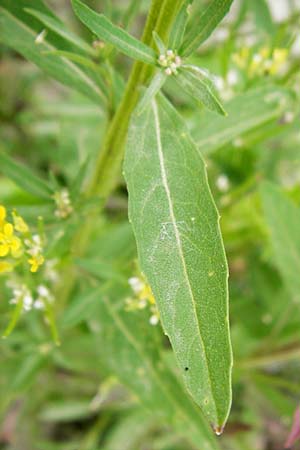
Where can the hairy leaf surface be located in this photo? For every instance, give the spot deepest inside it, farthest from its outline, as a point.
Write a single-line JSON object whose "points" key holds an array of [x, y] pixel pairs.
{"points": [[199, 85], [180, 248]]}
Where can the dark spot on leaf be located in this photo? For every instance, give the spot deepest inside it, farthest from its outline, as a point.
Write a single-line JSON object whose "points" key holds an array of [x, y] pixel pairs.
{"points": [[186, 369]]}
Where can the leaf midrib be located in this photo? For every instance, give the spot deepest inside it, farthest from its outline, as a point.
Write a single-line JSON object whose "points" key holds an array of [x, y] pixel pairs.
{"points": [[177, 234]]}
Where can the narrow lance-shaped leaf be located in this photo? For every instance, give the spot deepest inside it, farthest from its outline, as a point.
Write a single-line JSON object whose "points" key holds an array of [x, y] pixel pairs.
{"points": [[197, 83], [204, 25], [217, 131], [17, 35], [180, 249], [24, 177], [104, 29], [61, 30], [178, 28], [159, 43]]}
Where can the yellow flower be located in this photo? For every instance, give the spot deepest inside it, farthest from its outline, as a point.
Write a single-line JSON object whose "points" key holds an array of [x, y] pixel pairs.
{"points": [[241, 58], [279, 58], [5, 267], [146, 293], [2, 216], [35, 261], [20, 224], [8, 241]]}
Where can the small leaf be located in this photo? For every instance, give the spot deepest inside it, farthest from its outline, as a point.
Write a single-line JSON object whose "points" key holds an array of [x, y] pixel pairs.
{"points": [[159, 43], [204, 25], [156, 84], [198, 84], [61, 30], [181, 252], [114, 35], [24, 177], [178, 28]]}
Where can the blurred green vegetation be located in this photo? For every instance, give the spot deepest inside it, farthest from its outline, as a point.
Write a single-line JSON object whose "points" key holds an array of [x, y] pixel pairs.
{"points": [[104, 386]]}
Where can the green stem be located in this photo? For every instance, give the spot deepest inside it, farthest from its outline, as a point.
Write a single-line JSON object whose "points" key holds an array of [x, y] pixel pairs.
{"points": [[107, 170], [160, 19]]}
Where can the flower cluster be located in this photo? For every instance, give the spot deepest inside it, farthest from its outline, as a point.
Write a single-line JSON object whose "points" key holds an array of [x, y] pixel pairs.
{"points": [[17, 241], [263, 62], [170, 61], [63, 204], [22, 294], [143, 298]]}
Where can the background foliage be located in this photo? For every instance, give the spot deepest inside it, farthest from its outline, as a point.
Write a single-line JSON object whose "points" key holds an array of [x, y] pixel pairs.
{"points": [[112, 383]]}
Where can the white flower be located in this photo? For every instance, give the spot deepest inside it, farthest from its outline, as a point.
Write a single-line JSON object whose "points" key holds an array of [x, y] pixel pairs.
{"points": [[63, 204], [21, 293], [154, 319], [170, 61], [42, 291], [27, 302], [232, 77], [136, 284], [44, 296], [38, 304], [222, 183]]}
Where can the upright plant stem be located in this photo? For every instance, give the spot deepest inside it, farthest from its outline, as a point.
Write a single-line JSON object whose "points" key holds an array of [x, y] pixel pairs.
{"points": [[160, 19], [107, 169]]}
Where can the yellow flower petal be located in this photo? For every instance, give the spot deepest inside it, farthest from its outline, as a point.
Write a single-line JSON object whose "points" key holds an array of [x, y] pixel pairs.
{"points": [[2, 213], [5, 267], [4, 249], [17, 253], [8, 230], [20, 224], [35, 262], [15, 244]]}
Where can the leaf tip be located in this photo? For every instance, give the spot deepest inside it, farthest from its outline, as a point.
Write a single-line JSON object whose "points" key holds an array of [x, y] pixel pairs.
{"points": [[218, 429]]}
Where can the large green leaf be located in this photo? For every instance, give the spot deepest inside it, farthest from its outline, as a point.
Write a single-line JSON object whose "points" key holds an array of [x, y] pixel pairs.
{"points": [[180, 248], [104, 29], [283, 219], [212, 132], [17, 35], [204, 25]]}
